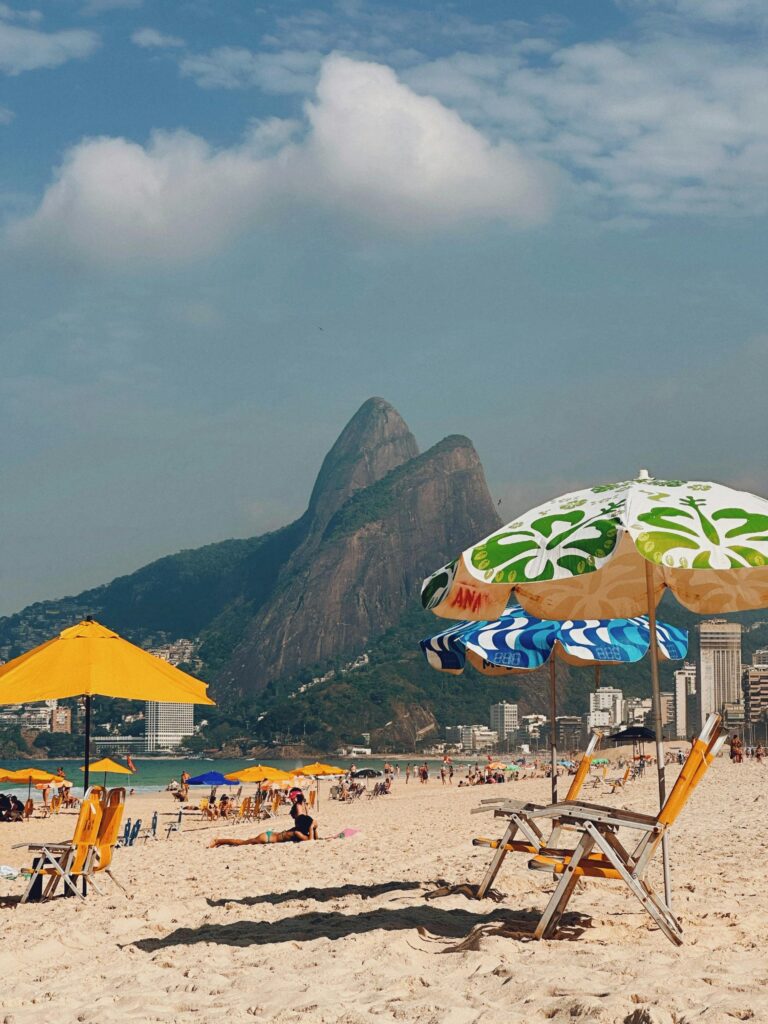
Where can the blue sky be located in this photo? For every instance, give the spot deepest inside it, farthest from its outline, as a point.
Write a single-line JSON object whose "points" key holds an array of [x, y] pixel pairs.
{"points": [[226, 225]]}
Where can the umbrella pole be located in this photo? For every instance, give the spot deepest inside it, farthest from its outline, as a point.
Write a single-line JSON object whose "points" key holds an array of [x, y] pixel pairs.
{"points": [[656, 699], [86, 778], [553, 727]]}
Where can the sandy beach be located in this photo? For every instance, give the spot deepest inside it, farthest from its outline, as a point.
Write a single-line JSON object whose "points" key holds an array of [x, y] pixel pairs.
{"points": [[341, 931]]}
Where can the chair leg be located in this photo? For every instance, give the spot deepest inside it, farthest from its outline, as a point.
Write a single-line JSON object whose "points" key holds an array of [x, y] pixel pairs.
{"points": [[118, 884], [559, 900], [638, 887], [497, 860]]}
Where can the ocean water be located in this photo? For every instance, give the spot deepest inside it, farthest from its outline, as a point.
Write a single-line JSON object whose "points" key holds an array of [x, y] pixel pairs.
{"points": [[154, 774]]}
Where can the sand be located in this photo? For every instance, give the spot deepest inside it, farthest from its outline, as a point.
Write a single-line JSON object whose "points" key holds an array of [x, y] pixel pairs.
{"points": [[340, 931]]}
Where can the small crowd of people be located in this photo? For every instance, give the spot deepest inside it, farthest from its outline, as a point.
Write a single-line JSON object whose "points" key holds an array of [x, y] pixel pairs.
{"points": [[740, 752], [11, 808]]}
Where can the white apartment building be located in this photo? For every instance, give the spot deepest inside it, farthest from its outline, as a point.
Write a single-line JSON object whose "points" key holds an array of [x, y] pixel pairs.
{"points": [[719, 668], [607, 708], [685, 692], [167, 724], [504, 719]]}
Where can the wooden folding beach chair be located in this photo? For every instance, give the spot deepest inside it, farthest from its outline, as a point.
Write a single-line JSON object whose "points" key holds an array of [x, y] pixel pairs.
{"points": [[517, 812], [619, 782], [106, 839], [65, 861], [243, 811], [598, 827]]}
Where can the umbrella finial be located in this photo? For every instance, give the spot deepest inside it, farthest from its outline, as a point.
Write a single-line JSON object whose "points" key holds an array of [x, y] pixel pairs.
{"points": [[643, 475]]}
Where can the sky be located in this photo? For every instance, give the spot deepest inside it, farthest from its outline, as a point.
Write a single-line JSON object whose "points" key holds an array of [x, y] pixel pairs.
{"points": [[224, 226]]}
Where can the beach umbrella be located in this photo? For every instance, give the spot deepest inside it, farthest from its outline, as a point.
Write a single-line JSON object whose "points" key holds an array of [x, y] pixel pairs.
{"points": [[259, 773], [518, 642], [316, 770], [211, 779], [600, 760], [108, 766], [89, 660], [612, 550], [367, 773], [29, 776]]}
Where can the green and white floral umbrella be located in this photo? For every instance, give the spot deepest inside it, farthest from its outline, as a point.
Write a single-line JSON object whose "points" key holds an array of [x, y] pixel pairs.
{"points": [[611, 551], [585, 555]]}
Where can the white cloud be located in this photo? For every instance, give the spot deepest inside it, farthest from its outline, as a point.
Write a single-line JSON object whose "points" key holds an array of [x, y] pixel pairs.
{"points": [[26, 49], [372, 149], [669, 125], [150, 37], [230, 67], [6, 115], [31, 17], [719, 12]]}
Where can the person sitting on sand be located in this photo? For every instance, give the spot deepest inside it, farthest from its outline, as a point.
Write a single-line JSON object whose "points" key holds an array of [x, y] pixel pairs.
{"points": [[304, 829], [223, 805]]}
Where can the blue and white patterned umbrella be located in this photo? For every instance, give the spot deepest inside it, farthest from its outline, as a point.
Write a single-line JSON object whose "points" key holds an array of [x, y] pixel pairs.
{"points": [[519, 642]]}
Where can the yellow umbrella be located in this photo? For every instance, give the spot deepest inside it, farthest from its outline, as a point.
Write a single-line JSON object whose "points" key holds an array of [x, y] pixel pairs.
{"points": [[259, 773], [28, 775], [108, 766], [88, 660], [318, 769]]}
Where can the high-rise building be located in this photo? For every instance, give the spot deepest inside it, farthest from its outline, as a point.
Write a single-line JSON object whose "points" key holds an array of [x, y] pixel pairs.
{"points": [[606, 707], [571, 732], [760, 657], [168, 724], [504, 719], [685, 695], [719, 668], [755, 685]]}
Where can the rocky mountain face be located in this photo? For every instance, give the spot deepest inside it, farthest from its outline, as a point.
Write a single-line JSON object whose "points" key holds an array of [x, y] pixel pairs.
{"points": [[354, 575], [380, 517]]}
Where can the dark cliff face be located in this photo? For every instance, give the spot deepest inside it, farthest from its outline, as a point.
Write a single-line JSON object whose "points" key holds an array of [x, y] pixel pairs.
{"points": [[354, 581]]}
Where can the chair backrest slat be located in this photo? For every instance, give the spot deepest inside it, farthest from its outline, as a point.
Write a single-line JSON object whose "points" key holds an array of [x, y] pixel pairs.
{"points": [[696, 764], [583, 770]]}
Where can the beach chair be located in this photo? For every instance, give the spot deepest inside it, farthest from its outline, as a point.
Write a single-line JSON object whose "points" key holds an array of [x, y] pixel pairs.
{"points": [[516, 811], [312, 799], [150, 832], [598, 828], [64, 862], [29, 807], [103, 848], [56, 803], [174, 826], [123, 841], [243, 811], [620, 781]]}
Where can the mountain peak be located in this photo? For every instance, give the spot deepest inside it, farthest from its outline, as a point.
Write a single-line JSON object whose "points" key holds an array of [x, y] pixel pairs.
{"points": [[374, 442]]}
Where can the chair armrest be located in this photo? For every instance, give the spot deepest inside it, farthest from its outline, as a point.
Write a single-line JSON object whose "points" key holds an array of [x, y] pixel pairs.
{"points": [[64, 845], [573, 810]]}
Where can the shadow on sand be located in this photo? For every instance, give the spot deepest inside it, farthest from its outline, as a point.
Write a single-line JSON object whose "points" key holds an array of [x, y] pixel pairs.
{"points": [[429, 921], [320, 895]]}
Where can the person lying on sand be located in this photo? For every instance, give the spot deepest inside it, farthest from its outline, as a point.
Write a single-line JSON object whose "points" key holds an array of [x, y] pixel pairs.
{"points": [[304, 829]]}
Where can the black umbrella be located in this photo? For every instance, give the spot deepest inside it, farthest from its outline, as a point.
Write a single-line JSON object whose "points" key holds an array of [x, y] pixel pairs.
{"points": [[634, 734], [367, 773]]}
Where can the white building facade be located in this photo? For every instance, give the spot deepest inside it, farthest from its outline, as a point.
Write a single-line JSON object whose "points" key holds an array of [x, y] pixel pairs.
{"points": [[607, 708], [719, 668], [168, 724], [504, 719]]}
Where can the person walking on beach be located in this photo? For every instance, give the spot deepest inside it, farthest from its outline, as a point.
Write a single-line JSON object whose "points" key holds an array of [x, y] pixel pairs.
{"points": [[408, 773], [759, 753], [737, 749], [442, 773]]}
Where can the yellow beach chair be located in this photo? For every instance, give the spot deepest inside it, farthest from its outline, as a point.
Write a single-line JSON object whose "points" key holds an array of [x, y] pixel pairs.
{"points": [[517, 812], [64, 862], [600, 855], [109, 832]]}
